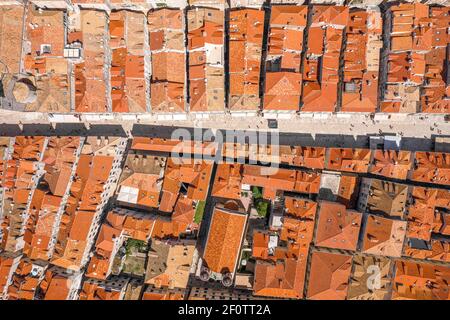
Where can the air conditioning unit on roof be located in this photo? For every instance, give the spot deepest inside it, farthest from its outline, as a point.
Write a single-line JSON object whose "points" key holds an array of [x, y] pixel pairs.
{"points": [[46, 49], [73, 53]]}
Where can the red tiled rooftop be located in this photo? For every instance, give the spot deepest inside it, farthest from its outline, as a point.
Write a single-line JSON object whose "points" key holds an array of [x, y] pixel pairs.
{"points": [[290, 15], [329, 276], [384, 236], [337, 227], [391, 163], [282, 279], [224, 241], [228, 180], [282, 91], [309, 157], [420, 281], [350, 160], [432, 167]]}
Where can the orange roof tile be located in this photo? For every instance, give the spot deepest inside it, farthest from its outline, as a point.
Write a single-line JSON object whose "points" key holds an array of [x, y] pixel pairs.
{"points": [[282, 91], [432, 167], [228, 180], [224, 241], [300, 208], [420, 281], [330, 15], [391, 163], [280, 179], [337, 227], [309, 157], [165, 18], [284, 279], [98, 291], [260, 248], [329, 276], [384, 236], [173, 145], [351, 160]]}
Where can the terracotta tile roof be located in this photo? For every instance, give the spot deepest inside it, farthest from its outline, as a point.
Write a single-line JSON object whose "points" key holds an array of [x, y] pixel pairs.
{"points": [[298, 232], [165, 18], [387, 198], [290, 15], [437, 250], [173, 145], [246, 29], [284, 42], [361, 287], [184, 211], [103, 290], [282, 273], [300, 208], [59, 158], [330, 15], [232, 150], [86, 195], [176, 260], [316, 40], [28, 148], [307, 182], [324, 44], [282, 179], [108, 241], [19, 180], [421, 281], [350, 160], [167, 97], [348, 191], [434, 96], [196, 174], [432, 167], [8, 265], [119, 224], [169, 195], [337, 227], [260, 247], [142, 190], [417, 55], [56, 285], [309, 157], [24, 283], [168, 66], [41, 225], [90, 94], [228, 181], [391, 163], [127, 66], [361, 61], [11, 26], [45, 27], [90, 85], [384, 236], [282, 279], [322, 96], [329, 276], [282, 91], [45, 34], [206, 69], [163, 294], [224, 240], [424, 214], [168, 229], [318, 98]]}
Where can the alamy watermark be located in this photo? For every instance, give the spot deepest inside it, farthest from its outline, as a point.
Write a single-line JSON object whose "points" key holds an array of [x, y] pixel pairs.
{"points": [[228, 146], [374, 280]]}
